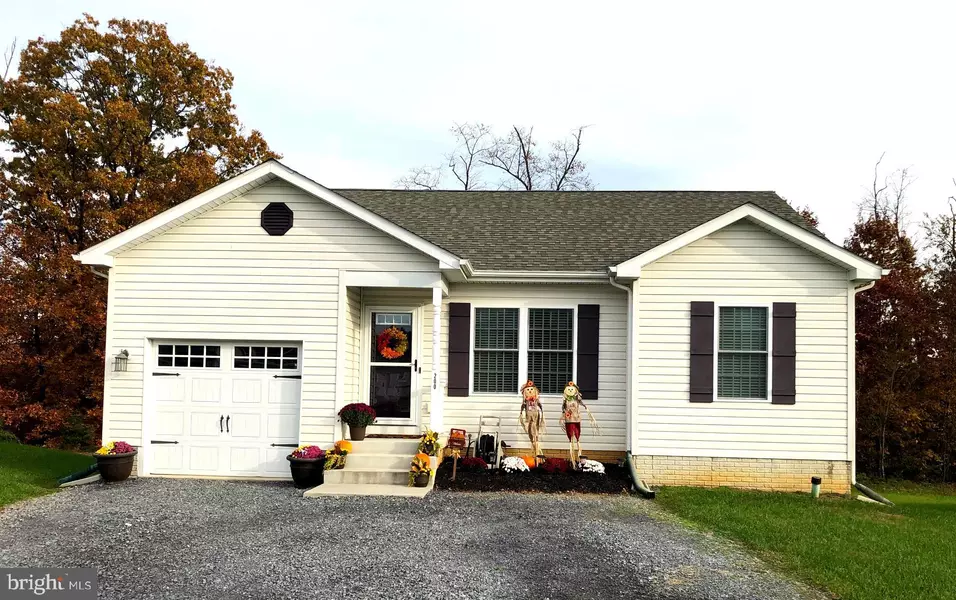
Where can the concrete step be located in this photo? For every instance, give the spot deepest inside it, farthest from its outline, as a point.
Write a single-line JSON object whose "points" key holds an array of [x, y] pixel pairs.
{"points": [[376, 476], [358, 489], [378, 461], [385, 446]]}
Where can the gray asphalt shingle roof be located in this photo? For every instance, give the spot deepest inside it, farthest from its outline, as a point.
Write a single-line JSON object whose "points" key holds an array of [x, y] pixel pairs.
{"points": [[556, 231]]}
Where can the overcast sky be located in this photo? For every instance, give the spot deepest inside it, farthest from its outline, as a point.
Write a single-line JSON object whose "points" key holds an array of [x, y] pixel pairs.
{"points": [[713, 95]]}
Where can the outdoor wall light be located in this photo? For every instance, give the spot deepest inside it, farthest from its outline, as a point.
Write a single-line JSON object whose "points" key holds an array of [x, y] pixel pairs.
{"points": [[120, 361]]}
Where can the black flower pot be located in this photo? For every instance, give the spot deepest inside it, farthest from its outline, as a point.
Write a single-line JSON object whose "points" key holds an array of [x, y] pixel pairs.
{"points": [[421, 480], [115, 467], [356, 433], [307, 472]]}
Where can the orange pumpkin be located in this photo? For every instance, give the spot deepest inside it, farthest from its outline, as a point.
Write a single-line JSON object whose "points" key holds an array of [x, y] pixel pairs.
{"points": [[422, 456], [530, 461], [343, 446]]}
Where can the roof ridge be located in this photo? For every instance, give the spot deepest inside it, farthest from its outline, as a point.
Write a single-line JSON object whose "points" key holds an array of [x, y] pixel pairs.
{"points": [[443, 191]]}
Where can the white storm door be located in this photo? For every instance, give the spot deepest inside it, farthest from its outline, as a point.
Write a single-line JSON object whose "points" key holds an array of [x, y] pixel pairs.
{"points": [[391, 380]]}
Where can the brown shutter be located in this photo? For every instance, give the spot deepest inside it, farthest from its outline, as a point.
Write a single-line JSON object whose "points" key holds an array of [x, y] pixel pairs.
{"points": [[783, 388], [459, 347], [701, 351], [589, 325]]}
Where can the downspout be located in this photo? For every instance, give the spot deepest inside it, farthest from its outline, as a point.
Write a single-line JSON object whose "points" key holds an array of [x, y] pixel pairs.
{"points": [[859, 486], [637, 482], [99, 273]]}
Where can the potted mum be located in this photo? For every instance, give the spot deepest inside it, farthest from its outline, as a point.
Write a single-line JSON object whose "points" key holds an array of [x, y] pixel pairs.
{"points": [[115, 461], [358, 416], [308, 466], [420, 471]]}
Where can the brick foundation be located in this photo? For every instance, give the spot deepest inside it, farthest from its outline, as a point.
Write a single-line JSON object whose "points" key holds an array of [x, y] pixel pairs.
{"points": [[785, 475]]}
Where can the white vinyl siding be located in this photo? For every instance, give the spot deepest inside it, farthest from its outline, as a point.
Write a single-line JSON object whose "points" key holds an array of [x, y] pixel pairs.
{"points": [[742, 265], [220, 276], [609, 408], [353, 333]]}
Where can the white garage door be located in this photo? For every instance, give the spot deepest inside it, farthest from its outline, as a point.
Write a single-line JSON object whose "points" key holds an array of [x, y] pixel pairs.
{"points": [[224, 408]]}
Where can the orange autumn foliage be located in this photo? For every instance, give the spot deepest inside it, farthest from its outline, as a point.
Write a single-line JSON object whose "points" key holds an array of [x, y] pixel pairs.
{"points": [[100, 129]]}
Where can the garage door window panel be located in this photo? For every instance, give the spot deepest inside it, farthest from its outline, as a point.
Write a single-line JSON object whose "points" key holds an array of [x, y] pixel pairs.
{"points": [[188, 356], [278, 358]]}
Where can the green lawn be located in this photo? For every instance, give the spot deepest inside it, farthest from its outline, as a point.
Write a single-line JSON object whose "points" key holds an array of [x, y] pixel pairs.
{"points": [[28, 471], [855, 550]]}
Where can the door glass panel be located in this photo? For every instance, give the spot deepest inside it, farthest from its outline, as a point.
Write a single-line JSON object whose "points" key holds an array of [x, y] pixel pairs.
{"points": [[392, 337], [391, 391]]}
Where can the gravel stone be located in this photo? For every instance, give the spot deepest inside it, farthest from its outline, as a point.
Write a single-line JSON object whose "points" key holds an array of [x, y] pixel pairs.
{"points": [[178, 538]]}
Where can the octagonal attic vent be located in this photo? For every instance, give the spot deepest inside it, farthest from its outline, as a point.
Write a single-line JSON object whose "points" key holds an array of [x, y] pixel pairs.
{"points": [[276, 218]]}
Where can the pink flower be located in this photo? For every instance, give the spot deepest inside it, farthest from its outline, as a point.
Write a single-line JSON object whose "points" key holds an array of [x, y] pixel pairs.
{"points": [[308, 452]]}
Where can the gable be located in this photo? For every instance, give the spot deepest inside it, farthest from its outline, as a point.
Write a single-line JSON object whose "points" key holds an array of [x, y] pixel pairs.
{"points": [[322, 236], [103, 253]]}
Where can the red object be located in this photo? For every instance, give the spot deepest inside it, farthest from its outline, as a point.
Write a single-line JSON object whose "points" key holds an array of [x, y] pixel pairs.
{"points": [[556, 465], [457, 438], [573, 430]]}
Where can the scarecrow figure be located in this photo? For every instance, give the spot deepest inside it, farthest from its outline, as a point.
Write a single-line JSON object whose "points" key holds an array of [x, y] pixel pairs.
{"points": [[571, 419], [531, 416]]}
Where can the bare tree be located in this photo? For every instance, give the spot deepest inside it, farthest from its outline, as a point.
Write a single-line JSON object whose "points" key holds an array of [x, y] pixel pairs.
{"points": [[564, 170], [473, 140], [516, 158], [420, 178], [8, 55], [886, 199]]}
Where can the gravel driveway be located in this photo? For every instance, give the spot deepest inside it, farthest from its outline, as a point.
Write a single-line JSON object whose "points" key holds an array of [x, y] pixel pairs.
{"points": [[173, 538]]}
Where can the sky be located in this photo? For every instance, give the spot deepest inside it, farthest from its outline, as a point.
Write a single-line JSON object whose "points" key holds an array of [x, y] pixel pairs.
{"points": [[800, 98]]}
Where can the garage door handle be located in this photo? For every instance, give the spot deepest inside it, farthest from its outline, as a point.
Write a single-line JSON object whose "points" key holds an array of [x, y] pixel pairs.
{"points": [[161, 442], [284, 445], [287, 377], [165, 374], [227, 424], [220, 423]]}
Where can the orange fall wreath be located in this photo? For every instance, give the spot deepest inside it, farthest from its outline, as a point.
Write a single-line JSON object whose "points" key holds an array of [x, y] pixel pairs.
{"points": [[392, 343]]}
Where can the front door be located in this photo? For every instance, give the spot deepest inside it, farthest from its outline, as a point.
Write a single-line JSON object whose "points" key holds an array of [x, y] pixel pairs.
{"points": [[392, 366]]}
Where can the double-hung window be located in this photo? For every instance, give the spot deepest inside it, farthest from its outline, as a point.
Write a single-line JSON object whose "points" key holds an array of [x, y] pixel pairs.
{"points": [[550, 348], [512, 345], [496, 350], [743, 359]]}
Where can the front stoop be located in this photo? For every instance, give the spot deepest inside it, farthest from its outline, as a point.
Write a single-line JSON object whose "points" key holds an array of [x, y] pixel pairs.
{"points": [[375, 467]]}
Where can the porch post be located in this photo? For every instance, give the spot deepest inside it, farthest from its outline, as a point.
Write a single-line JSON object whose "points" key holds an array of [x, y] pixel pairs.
{"points": [[437, 408]]}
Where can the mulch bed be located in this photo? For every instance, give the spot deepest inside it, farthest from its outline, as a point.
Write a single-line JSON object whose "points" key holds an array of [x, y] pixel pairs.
{"points": [[615, 480]]}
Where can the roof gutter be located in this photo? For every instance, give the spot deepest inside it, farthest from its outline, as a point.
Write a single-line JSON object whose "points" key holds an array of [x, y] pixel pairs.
{"points": [[475, 276]]}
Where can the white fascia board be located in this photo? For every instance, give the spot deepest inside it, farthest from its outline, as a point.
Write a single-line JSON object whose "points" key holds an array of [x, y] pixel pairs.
{"points": [[99, 254], [859, 269], [393, 279]]}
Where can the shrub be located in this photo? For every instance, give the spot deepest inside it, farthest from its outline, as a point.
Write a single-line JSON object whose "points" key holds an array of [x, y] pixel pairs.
{"points": [[473, 463], [7, 437], [556, 465], [308, 452], [357, 414]]}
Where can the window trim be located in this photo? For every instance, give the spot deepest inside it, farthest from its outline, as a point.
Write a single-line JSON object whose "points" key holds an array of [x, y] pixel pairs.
{"points": [[523, 340], [767, 306]]}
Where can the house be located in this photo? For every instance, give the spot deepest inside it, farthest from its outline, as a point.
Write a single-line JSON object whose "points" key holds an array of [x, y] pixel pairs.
{"points": [[711, 333]]}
